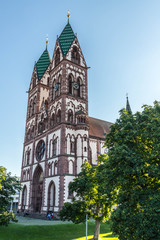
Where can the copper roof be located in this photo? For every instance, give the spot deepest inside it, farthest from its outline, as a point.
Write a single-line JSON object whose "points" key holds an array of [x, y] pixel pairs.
{"points": [[98, 128]]}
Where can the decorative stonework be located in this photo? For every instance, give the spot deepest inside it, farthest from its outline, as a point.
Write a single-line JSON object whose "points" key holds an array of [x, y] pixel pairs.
{"points": [[57, 116]]}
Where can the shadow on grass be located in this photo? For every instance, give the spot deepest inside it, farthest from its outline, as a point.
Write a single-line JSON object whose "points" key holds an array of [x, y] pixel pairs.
{"points": [[108, 236], [56, 232]]}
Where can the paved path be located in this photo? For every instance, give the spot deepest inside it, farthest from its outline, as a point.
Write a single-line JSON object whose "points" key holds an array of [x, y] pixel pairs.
{"points": [[33, 221]]}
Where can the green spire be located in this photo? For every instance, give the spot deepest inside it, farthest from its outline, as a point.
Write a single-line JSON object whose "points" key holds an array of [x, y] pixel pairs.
{"points": [[66, 38], [42, 64], [128, 108]]}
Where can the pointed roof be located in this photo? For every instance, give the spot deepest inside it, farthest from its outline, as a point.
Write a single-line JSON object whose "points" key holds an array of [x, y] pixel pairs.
{"points": [[66, 38], [128, 108], [42, 64]]}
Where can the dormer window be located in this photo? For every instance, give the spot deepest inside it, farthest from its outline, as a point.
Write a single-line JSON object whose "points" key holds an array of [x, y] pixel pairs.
{"points": [[75, 55], [57, 57]]}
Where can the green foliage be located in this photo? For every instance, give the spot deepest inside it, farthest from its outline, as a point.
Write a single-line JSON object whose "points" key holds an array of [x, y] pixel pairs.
{"points": [[90, 196], [54, 232], [74, 212], [2, 175], [133, 170], [9, 185]]}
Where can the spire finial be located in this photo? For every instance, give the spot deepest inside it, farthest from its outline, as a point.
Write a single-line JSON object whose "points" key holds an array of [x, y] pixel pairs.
{"points": [[128, 108], [47, 41], [68, 15]]}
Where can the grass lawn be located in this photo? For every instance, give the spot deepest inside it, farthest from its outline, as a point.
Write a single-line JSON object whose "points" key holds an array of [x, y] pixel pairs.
{"points": [[54, 232]]}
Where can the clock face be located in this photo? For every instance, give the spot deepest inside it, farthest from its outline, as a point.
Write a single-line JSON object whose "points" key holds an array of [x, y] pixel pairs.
{"points": [[76, 85], [56, 87], [40, 149]]}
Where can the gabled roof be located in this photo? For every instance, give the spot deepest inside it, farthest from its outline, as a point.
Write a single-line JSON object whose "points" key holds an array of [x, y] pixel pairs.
{"points": [[66, 38], [42, 64], [98, 128]]}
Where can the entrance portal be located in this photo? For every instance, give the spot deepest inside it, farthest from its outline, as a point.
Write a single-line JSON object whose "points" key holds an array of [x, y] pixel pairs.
{"points": [[37, 189]]}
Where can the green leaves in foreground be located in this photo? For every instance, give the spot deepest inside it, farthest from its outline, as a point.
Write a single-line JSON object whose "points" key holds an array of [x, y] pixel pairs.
{"points": [[9, 185], [90, 196], [133, 168]]}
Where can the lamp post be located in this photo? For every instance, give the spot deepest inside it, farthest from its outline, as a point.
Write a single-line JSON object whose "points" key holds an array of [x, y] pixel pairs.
{"points": [[86, 222]]}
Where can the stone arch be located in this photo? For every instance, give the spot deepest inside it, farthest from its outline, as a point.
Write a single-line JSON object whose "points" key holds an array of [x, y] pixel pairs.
{"points": [[51, 196], [24, 197], [37, 189]]}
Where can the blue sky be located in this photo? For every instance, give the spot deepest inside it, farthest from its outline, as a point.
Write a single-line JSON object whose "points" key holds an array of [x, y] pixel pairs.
{"points": [[120, 41]]}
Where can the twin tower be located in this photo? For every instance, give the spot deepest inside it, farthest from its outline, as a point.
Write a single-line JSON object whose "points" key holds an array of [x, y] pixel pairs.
{"points": [[59, 134]]}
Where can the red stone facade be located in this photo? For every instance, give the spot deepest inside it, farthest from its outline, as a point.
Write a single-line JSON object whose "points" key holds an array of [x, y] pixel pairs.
{"points": [[59, 134]]}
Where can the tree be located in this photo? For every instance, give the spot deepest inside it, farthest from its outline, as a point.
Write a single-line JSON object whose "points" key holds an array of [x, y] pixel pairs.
{"points": [[8, 187], [132, 168], [89, 196]]}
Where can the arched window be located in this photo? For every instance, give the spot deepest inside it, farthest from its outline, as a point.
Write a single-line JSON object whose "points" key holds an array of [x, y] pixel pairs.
{"points": [[53, 90], [70, 116], [24, 198], [30, 108], [54, 147], [52, 120], [41, 127], [70, 86], [79, 90], [75, 55], [34, 106], [51, 196], [46, 104], [70, 167], [81, 119], [72, 147], [59, 116], [32, 132], [28, 134], [28, 174], [28, 156], [49, 169], [59, 86], [90, 155], [34, 81], [55, 168], [57, 57], [70, 193]]}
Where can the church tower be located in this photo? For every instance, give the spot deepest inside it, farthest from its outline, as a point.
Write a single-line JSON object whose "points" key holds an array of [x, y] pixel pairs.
{"points": [[57, 126]]}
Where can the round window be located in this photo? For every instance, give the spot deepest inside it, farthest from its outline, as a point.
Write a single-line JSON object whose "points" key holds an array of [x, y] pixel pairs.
{"points": [[40, 149]]}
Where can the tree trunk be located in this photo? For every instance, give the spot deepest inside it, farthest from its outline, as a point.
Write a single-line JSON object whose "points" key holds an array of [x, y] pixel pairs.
{"points": [[97, 230]]}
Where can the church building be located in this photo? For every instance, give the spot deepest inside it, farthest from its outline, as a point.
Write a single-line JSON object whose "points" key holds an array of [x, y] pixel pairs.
{"points": [[59, 133]]}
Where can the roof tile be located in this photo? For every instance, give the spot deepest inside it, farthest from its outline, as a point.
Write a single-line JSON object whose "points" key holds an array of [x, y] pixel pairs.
{"points": [[42, 64], [66, 38]]}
